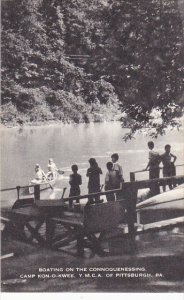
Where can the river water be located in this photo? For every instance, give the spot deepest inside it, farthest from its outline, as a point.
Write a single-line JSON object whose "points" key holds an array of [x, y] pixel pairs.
{"points": [[22, 148]]}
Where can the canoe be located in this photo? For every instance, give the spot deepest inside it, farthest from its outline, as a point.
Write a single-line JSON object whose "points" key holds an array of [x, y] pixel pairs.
{"points": [[164, 206], [45, 184]]}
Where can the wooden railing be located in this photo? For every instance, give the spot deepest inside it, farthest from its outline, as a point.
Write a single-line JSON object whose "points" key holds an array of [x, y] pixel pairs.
{"points": [[132, 174], [127, 193], [126, 186]]}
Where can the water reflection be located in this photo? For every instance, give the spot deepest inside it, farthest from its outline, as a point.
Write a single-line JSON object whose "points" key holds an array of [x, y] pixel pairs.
{"points": [[20, 130]]}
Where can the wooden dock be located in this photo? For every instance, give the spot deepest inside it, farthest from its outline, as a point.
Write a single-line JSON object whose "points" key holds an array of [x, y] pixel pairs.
{"points": [[50, 224]]}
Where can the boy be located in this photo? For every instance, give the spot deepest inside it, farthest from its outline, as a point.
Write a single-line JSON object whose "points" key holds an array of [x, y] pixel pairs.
{"points": [[154, 161], [154, 170], [117, 168], [119, 173], [75, 182], [168, 164], [52, 169], [111, 181], [38, 173], [93, 173]]}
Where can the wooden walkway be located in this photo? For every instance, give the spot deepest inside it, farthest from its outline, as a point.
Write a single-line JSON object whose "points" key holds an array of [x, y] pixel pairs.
{"points": [[50, 224]]}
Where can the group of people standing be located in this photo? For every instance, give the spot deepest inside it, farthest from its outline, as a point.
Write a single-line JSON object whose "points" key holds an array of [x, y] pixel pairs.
{"points": [[113, 179], [114, 174], [167, 159]]}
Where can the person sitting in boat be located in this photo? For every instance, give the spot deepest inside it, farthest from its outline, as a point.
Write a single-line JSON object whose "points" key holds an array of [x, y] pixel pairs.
{"points": [[168, 160], [39, 175], [52, 169], [75, 182]]}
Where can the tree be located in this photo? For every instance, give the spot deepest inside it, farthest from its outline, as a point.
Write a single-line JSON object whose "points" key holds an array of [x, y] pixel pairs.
{"points": [[37, 37], [134, 50], [143, 60]]}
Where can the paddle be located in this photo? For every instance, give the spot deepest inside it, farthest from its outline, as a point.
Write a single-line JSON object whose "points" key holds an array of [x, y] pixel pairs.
{"points": [[47, 180], [64, 190], [101, 187]]}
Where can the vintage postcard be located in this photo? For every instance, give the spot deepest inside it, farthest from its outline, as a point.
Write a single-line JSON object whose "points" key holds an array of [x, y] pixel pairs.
{"points": [[92, 146]]}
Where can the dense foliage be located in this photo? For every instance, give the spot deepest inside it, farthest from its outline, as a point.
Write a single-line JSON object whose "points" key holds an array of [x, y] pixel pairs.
{"points": [[81, 60]]}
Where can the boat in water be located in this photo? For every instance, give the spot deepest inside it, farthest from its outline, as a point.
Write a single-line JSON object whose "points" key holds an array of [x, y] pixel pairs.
{"points": [[46, 183]]}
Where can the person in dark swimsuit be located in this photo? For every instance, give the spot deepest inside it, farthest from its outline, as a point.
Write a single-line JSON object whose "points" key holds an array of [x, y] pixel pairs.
{"points": [[154, 170], [168, 160], [154, 161], [93, 173], [75, 182]]}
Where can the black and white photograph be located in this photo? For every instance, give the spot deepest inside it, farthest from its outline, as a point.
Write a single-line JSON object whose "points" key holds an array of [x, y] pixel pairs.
{"points": [[92, 146]]}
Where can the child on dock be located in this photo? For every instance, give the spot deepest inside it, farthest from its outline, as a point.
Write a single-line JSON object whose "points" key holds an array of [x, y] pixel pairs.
{"points": [[119, 173], [168, 160], [111, 181], [154, 170], [75, 182], [153, 163], [93, 173], [117, 168]]}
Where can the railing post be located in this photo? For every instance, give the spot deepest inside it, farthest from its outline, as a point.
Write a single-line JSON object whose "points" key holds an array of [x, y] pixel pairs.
{"points": [[18, 192], [50, 227], [132, 176], [37, 192], [130, 196], [138, 218]]}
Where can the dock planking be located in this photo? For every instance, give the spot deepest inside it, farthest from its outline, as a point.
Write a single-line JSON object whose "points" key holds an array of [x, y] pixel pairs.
{"points": [[35, 215]]}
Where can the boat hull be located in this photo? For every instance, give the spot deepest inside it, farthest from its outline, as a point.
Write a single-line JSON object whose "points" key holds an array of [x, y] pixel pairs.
{"points": [[164, 206], [44, 184]]}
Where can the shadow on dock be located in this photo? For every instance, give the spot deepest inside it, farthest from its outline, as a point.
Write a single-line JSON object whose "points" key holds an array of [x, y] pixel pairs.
{"points": [[154, 265]]}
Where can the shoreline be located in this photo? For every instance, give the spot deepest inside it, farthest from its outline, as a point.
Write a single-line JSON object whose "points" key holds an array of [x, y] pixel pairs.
{"points": [[10, 125], [37, 124]]}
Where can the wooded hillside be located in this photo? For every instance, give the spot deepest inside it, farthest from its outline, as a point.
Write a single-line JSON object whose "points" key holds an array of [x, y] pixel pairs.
{"points": [[80, 60]]}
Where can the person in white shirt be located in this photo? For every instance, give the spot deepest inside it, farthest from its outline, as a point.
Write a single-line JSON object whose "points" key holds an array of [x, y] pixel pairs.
{"points": [[111, 181], [39, 175], [119, 173], [117, 167], [153, 163], [52, 169]]}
